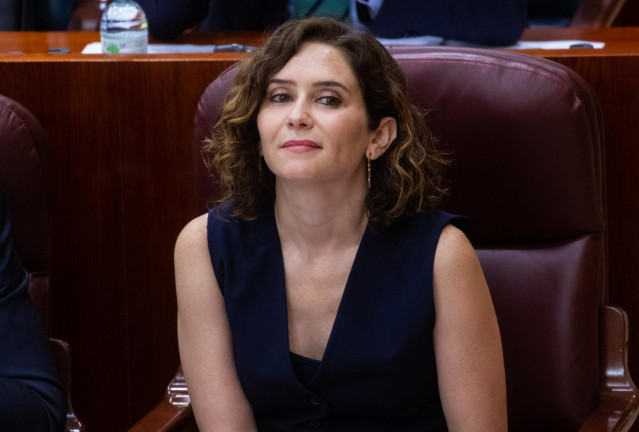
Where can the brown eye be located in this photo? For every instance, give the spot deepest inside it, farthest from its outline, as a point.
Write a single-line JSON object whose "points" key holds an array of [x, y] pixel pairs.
{"points": [[280, 97], [329, 100]]}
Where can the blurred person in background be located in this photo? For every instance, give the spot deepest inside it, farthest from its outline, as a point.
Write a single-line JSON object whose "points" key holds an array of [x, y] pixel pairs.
{"points": [[483, 22], [31, 396]]}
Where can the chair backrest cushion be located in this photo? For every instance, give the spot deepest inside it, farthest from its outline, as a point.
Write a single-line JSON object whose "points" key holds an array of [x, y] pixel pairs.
{"points": [[22, 179]]}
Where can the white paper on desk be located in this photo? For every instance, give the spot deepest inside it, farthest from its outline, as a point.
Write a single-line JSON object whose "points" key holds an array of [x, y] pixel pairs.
{"points": [[96, 48], [93, 48], [557, 44], [417, 40], [433, 40]]}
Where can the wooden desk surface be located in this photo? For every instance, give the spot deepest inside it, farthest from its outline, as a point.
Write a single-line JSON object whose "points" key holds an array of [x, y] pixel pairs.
{"points": [[120, 170], [34, 46], [619, 41]]}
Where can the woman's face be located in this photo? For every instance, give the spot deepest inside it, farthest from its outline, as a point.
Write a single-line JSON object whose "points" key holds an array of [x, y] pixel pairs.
{"points": [[313, 121]]}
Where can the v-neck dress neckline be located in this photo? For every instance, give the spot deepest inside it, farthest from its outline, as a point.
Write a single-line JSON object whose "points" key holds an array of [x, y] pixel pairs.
{"points": [[344, 302]]}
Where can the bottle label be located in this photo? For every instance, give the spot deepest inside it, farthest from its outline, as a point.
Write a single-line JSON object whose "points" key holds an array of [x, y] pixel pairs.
{"points": [[136, 45]]}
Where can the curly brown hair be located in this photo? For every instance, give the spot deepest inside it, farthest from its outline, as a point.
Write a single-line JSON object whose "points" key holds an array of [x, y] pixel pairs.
{"points": [[406, 178]]}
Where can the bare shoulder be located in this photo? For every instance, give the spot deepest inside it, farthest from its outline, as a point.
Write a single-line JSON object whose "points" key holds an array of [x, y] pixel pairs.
{"points": [[459, 286], [454, 252], [191, 245], [193, 235], [458, 279], [192, 261]]}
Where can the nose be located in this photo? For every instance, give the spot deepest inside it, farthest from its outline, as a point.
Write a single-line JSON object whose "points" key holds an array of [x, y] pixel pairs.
{"points": [[300, 116]]}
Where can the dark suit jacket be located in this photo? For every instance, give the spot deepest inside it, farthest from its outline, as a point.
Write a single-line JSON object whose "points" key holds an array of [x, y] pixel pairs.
{"points": [[35, 15], [488, 22], [485, 22], [31, 397], [168, 18]]}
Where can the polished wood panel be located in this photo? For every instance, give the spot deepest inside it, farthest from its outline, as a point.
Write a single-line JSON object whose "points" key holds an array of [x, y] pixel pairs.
{"points": [[120, 179]]}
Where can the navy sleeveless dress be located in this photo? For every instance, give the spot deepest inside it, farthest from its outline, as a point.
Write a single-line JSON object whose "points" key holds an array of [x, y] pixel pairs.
{"points": [[378, 372]]}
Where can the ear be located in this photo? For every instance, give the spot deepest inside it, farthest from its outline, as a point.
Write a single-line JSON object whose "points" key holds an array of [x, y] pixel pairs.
{"points": [[383, 137]]}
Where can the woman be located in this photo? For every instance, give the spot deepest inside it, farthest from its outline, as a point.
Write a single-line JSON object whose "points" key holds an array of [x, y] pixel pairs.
{"points": [[307, 299]]}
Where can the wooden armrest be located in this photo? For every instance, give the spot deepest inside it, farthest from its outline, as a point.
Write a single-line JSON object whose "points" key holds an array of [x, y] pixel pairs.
{"points": [[173, 413], [62, 356], [618, 401]]}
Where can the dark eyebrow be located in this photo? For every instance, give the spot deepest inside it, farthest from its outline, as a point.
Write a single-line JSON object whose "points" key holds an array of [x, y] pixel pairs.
{"points": [[331, 84], [279, 81], [317, 84]]}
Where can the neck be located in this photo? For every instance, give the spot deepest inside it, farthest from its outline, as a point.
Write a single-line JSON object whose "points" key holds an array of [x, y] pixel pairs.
{"points": [[313, 218]]}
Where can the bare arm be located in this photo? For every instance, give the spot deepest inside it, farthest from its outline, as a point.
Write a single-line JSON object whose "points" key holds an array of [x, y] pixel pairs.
{"points": [[204, 338], [470, 366]]}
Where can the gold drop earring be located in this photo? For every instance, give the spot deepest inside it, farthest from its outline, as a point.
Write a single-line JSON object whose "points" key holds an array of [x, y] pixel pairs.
{"points": [[369, 171]]}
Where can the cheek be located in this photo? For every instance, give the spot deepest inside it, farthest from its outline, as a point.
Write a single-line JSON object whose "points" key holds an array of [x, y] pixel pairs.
{"points": [[263, 132], [355, 121], [266, 126], [260, 123], [354, 129]]}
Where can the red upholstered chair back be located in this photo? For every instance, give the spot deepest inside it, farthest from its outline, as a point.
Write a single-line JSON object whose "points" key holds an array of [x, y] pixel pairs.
{"points": [[22, 179], [525, 138]]}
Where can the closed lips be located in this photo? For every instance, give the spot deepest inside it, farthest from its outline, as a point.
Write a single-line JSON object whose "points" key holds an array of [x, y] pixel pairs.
{"points": [[302, 143]]}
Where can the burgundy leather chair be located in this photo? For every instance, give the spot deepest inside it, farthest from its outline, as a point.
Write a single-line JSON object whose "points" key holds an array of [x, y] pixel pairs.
{"points": [[22, 179], [525, 137]]}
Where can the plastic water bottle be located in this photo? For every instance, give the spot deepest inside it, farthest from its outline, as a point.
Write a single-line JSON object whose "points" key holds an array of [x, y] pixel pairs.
{"points": [[124, 29]]}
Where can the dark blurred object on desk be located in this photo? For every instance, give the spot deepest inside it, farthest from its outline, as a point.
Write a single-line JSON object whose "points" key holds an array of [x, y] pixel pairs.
{"points": [[574, 13], [493, 22], [86, 15], [35, 15], [170, 18], [478, 22]]}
